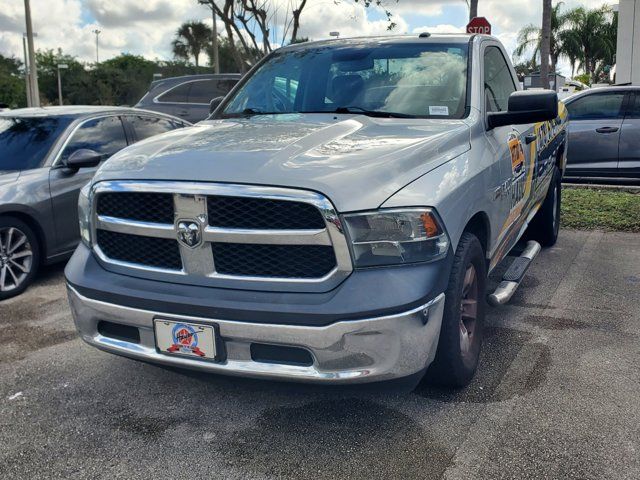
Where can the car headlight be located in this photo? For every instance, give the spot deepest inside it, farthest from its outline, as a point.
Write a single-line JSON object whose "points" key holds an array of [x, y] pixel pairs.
{"points": [[396, 236], [84, 214]]}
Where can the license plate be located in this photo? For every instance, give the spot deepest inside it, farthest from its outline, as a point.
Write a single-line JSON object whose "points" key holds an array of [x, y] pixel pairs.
{"points": [[185, 339]]}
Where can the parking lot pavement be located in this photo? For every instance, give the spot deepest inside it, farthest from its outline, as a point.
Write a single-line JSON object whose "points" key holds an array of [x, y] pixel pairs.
{"points": [[557, 396]]}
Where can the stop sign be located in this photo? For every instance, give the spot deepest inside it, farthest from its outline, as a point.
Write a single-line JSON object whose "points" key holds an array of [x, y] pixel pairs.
{"points": [[479, 25]]}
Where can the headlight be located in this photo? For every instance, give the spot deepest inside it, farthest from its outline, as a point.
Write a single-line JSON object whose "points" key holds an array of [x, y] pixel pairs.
{"points": [[84, 214], [398, 236]]}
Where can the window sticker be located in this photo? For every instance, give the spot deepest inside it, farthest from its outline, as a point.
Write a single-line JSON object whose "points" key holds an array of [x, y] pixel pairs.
{"points": [[438, 110]]}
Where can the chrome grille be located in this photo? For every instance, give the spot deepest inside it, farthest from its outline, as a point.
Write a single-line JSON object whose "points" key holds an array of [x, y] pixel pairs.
{"points": [[241, 236]]}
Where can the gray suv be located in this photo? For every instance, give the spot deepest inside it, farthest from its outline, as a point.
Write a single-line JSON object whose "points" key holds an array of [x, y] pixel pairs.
{"points": [[604, 134], [189, 96], [46, 156]]}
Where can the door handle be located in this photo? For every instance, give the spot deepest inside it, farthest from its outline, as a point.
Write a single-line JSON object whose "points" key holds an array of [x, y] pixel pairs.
{"points": [[530, 138], [607, 129]]}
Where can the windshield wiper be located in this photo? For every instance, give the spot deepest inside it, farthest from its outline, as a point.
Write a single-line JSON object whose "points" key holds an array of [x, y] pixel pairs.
{"points": [[247, 112], [372, 113], [252, 111]]}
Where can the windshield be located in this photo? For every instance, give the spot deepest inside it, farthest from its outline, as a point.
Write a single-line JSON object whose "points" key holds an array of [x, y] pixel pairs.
{"points": [[417, 80], [25, 141]]}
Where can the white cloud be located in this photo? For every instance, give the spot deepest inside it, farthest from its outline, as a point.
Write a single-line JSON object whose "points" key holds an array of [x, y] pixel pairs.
{"points": [[439, 28], [146, 27], [346, 17]]}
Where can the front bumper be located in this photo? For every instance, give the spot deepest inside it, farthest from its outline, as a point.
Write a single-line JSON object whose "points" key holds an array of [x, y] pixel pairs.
{"points": [[373, 349]]}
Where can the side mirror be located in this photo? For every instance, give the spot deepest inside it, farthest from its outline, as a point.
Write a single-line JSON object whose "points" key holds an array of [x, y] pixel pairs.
{"points": [[83, 158], [215, 103], [529, 106]]}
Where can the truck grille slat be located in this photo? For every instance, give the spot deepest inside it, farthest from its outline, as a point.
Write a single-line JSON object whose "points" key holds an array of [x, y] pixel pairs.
{"points": [[284, 261], [149, 251], [143, 206], [260, 213]]}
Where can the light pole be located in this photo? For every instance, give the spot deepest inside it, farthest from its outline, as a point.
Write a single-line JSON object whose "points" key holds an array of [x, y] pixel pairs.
{"points": [[214, 37], [97, 33], [26, 70], [33, 71], [216, 55], [60, 66]]}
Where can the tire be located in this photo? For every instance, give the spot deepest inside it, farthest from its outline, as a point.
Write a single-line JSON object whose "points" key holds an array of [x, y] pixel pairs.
{"points": [[545, 226], [19, 256], [461, 335]]}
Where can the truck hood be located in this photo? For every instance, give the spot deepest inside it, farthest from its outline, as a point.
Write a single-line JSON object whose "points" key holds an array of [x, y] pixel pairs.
{"points": [[357, 161], [7, 177]]}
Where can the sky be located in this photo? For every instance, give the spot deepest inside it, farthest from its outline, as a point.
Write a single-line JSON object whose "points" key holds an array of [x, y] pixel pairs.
{"points": [[147, 27]]}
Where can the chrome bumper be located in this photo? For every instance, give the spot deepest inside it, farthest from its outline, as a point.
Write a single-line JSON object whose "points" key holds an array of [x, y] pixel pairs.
{"points": [[375, 349]]}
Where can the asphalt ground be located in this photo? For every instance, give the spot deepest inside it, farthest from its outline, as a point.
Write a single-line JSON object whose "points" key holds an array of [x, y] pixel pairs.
{"points": [[557, 396]]}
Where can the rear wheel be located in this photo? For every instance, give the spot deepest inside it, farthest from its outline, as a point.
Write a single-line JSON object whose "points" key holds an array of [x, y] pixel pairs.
{"points": [[545, 226], [462, 324], [19, 256]]}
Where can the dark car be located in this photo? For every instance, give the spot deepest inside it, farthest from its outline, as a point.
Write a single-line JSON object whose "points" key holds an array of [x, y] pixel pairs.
{"points": [[604, 134], [46, 156], [189, 96]]}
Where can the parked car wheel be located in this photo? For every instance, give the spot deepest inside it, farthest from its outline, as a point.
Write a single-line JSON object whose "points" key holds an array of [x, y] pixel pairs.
{"points": [[19, 256], [460, 340], [545, 226]]}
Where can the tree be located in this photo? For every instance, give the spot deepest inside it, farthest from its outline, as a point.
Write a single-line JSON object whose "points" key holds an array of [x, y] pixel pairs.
{"points": [[247, 20], [191, 39], [530, 36], [587, 38], [591, 38], [545, 43], [12, 85], [525, 68], [48, 61], [225, 55], [473, 9], [249, 24]]}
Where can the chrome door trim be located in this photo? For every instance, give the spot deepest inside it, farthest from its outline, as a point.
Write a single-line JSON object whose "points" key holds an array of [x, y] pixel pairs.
{"points": [[160, 102]]}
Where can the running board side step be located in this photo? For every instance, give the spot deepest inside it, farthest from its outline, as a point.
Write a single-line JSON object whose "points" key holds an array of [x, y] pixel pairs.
{"points": [[514, 275]]}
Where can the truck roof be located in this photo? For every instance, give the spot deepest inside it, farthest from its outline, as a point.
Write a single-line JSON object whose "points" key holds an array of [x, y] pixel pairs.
{"points": [[390, 39]]}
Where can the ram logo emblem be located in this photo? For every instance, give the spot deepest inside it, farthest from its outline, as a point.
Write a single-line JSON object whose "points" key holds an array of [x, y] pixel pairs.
{"points": [[189, 233]]}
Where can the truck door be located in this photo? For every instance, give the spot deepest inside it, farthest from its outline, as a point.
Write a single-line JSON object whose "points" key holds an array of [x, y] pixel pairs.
{"points": [[509, 145]]}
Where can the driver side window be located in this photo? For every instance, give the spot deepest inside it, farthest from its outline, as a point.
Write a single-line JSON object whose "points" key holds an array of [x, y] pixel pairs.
{"points": [[102, 135], [498, 82]]}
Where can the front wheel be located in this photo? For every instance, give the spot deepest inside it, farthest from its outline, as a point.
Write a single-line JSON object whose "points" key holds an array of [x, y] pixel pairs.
{"points": [[460, 340], [19, 256]]}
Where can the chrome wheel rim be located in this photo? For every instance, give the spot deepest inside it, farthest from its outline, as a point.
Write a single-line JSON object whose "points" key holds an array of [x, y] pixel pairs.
{"points": [[16, 258], [468, 312]]}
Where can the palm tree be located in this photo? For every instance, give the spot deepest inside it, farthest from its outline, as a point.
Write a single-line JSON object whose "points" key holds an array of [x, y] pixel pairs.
{"points": [[473, 8], [530, 36], [590, 38], [545, 43], [191, 39]]}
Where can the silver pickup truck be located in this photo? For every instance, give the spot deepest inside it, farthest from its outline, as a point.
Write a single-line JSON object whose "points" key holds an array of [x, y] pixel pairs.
{"points": [[333, 221]]}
